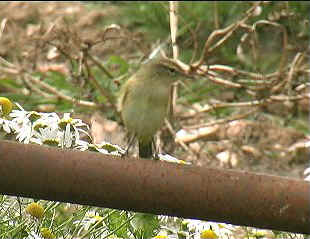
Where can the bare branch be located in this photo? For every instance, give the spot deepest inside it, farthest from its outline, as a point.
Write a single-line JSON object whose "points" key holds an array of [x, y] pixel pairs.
{"points": [[56, 92], [174, 27], [222, 121]]}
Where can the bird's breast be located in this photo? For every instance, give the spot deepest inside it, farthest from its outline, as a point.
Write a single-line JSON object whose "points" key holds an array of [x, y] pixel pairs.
{"points": [[145, 109]]}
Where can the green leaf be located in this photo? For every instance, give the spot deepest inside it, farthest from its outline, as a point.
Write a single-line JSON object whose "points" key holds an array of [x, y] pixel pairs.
{"points": [[115, 219], [9, 83], [145, 225], [117, 60]]}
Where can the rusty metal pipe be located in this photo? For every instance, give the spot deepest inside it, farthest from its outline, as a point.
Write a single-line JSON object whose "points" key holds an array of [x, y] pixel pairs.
{"points": [[235, 197]]}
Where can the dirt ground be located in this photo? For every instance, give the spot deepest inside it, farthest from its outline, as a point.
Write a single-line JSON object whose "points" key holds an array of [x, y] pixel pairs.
{"points": [[261, 146]]}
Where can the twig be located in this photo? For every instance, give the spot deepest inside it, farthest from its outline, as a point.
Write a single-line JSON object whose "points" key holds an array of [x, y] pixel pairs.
{"points": [[9, 70], [195, 42], [2, 26], [57, 92], [287, 82], [297, 60], [216, 15], [174, 27], [103, 91], [173, 133], [289, 98], [222, 121], [221, 81], [283, 60], [36, 89], [97, 63], [5, 62], [245, 104], [227, 32]]}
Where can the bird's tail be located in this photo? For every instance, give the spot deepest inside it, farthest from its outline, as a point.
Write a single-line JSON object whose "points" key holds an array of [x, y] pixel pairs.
{"points": [[145, 149]]}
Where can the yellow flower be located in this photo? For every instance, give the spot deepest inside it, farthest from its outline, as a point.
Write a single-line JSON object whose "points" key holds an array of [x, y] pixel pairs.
{"points": [[208, 234], [160, 236], [98, 218], [35, 210], [46, 233], [5, 106]]}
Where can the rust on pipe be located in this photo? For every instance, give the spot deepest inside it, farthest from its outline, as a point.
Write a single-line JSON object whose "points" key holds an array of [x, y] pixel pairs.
{"points": [[229, 196]]}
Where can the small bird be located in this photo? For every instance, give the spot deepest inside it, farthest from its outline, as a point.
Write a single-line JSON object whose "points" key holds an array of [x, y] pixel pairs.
{"points": [[144, 101]]}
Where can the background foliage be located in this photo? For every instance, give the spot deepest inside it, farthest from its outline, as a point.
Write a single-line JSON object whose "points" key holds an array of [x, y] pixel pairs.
{"points": [[67, 57]]}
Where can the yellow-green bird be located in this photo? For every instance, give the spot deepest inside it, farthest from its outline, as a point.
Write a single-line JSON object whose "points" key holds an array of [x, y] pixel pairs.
{"points": [[144, 101]]}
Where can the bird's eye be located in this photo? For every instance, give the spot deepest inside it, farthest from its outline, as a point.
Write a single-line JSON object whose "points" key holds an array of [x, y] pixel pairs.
{"points": [[171, 70]]}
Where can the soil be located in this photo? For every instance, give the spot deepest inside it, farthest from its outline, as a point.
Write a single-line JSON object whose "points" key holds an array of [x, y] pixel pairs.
{"points": [[264, 145]]}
